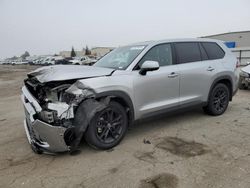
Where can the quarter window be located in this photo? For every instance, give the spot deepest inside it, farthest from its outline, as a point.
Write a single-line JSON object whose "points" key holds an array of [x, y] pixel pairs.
{"points": [[188, 52], [213, 50], [161, 53]]}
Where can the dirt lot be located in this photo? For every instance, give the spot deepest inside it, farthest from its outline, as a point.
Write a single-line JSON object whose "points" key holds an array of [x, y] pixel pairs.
{"points": [[190, 149]]}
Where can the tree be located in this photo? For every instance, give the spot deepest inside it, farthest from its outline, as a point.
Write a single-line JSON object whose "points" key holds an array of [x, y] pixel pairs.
{"points": [[87, 51], [26, 54], [73, 54]]}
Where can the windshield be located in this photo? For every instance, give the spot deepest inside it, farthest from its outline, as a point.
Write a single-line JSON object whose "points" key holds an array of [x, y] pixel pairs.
{"points": [[120, 58]]}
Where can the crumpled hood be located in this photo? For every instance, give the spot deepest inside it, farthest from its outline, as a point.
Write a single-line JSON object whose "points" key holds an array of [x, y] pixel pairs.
{"points": [[68, 72], [246, 69]]}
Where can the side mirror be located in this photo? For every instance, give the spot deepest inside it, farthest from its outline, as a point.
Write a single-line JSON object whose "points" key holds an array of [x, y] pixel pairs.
{"points": [[248, 63], [149, 66]]}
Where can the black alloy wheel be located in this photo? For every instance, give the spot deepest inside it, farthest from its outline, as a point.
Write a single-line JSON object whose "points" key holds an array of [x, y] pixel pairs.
{"points": [[218, 100], [107, 127]]}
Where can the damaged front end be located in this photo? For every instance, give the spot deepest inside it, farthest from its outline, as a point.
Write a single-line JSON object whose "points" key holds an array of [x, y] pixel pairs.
{"points": [[244, 81], [57, 113]]}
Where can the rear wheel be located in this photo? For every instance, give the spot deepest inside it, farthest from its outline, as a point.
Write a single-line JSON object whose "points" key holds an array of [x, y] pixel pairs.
{"points": [[218, 100], [107, 127]]}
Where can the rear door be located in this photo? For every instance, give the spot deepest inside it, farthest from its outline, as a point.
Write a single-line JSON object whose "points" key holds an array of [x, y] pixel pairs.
{"points": [[215, 55], [194, 70]]}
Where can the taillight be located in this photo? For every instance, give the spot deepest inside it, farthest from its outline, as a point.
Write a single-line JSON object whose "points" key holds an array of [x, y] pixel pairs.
{"points": [[238, 64]]}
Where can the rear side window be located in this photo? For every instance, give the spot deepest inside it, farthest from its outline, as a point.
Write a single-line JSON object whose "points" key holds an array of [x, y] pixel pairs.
{"points": [[213, 50], [188, 52]]}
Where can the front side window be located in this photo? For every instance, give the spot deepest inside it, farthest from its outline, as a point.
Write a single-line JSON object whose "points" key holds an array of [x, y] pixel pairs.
{"points": [[120, 58], [188, 52], [161, 53]]}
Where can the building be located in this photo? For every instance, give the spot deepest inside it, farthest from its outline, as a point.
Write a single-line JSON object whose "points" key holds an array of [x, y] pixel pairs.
{"points": [[68, 53], [239, 42], [240, 38], [101, 51]]}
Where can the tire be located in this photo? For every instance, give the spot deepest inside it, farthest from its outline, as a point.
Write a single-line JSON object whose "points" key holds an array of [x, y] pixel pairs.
{"points": [[218, 100], [101, 132]]}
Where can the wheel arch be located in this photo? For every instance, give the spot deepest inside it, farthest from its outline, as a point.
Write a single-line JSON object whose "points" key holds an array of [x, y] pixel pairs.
{"points": [[122, 98], [227, 80]]}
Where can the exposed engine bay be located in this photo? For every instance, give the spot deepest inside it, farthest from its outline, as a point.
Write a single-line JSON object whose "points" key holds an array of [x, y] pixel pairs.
{"points": [[57, 105]]}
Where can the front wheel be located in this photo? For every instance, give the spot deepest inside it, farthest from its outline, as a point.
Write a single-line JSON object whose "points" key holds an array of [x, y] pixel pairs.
{"points": [[218, 100], [108, 127]]}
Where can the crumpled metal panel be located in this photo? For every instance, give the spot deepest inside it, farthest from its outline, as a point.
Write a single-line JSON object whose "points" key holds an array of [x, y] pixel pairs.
{"points": [[52, 135], [68, 72], [27, 96]]}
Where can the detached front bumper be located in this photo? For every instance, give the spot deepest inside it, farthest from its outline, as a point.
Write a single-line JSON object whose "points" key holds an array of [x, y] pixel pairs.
{"points": [[41, 135]]}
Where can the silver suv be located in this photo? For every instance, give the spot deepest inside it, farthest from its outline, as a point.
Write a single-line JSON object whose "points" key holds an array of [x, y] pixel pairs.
{"points": [[65, 103]]}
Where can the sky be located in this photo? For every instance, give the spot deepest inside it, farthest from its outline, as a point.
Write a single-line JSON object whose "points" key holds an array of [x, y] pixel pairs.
{"points": [[50, 26]]}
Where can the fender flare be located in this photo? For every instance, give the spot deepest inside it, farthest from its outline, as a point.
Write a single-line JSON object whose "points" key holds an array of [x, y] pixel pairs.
{"points": [[84, 113], [218, 79], [122, 95], [87, 109]]}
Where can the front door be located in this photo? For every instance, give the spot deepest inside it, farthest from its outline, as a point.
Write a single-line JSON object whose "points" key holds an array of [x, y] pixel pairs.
{"points": [[159, 89]]}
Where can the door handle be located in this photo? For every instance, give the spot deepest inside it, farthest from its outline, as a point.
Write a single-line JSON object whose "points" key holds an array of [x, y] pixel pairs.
{"points": [[173, 75], [210, 69]]}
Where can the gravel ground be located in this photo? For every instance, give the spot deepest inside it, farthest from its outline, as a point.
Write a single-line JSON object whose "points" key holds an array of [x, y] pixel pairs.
{"points": [[188, 149]]}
